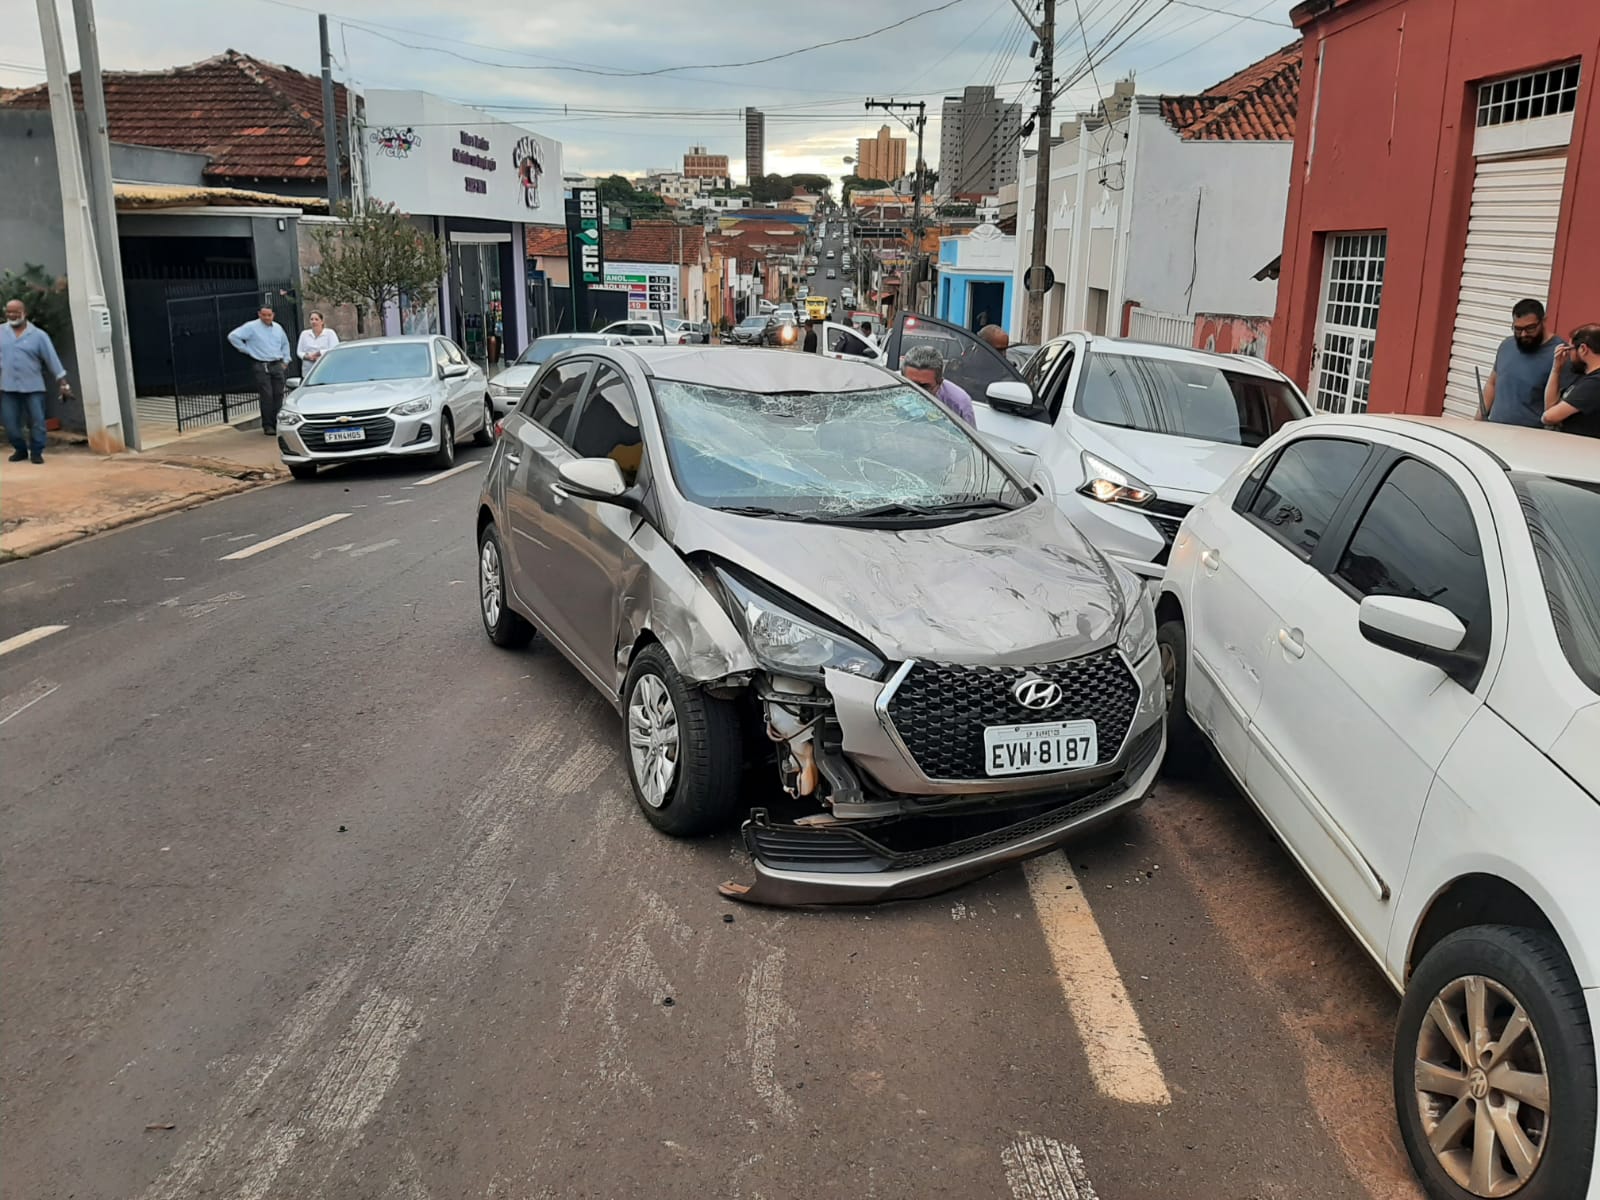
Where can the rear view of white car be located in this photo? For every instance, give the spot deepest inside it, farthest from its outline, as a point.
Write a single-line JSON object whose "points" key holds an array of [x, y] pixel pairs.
{"points": [[1388, 632]]}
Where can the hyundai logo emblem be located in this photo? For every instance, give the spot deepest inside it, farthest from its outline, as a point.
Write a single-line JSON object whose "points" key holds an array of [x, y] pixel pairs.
{"points": [[1033, 692]]}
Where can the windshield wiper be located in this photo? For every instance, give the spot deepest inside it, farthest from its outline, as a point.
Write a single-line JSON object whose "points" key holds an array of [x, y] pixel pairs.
{"points": [[756, 510], [900, 508]]}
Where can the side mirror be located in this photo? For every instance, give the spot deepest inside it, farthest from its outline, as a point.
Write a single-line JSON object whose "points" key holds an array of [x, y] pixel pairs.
{"points": [[1010, 395], [453, 370], [594, 479], [1417, 629], [291, 384]]}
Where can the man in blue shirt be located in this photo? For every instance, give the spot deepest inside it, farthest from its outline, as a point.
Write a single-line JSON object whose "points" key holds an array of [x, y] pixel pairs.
{"points": [[1514, 394], [265, 341], [26, 355]]}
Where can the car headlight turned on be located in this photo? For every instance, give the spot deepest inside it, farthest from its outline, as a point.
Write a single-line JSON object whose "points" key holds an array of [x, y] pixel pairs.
{"points": [[1138, 636], [412, 408], [788, 333], [1112, 485], [785, 641]]}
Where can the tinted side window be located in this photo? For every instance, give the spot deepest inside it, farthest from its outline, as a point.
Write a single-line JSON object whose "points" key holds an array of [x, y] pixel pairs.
{"points": [[1303, 489], [1417, 539], [608, 426], [549, 402]]}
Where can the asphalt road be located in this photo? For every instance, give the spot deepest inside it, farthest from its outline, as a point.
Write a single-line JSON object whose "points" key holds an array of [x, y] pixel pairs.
{"points": [[310, 891]]}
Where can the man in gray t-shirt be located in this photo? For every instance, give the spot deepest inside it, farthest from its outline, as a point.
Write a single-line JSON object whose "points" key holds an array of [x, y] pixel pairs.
{"points": [[1514, 394]]}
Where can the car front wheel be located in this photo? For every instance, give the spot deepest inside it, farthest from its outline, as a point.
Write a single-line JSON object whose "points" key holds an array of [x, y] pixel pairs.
{"points": [[1494, 1068], [485, 434], [683, 750], [445, 457], [1186, 748]]}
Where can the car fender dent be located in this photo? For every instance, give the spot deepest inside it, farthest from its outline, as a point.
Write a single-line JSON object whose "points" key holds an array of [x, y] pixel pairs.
{"points": [[664, 597]]}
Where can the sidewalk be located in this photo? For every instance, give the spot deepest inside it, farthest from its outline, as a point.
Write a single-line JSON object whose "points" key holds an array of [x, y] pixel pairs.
{"points": [[76, 492]]}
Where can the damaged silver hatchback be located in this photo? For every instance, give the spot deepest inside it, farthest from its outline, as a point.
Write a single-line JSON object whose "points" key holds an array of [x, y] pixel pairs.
{"points": [[820, 603]]}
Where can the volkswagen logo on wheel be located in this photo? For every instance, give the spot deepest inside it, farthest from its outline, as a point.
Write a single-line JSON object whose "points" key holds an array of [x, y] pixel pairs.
{"points": [[1032, 692]]}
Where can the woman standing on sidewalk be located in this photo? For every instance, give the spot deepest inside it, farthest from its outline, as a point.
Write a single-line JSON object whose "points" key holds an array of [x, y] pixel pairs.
{"points": [[315, 341]]}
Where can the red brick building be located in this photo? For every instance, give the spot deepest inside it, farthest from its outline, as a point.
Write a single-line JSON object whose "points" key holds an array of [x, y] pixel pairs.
{"points": [[1439, 177]]}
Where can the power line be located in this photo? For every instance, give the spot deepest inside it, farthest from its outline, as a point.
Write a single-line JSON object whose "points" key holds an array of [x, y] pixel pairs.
{"points": [[1243, 17], [1228, 13]]}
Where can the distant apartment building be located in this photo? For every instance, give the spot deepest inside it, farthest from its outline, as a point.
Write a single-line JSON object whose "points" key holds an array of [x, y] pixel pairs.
{"points": [[755, 144], [978, 143], [882, 157], [697, 164]]}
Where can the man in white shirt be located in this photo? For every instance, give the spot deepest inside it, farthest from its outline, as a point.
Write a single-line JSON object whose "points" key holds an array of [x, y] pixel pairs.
{"points": [[316, 340]]}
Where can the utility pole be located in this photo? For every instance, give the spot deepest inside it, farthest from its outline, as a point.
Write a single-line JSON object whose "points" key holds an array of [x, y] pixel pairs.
{"points": [[330, 118], [91, 319], [1036, 280], [103, 209], [916, 125]]}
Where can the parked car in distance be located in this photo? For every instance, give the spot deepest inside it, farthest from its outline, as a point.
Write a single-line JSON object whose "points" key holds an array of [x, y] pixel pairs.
{"points": [[638, 331], [697, 333], [1388, 631], [832, 274], [382, 398], [1128, 436], [770, 560], [756, 331], [1019, 354], [785, 312], [506, 388], [812, 269]]}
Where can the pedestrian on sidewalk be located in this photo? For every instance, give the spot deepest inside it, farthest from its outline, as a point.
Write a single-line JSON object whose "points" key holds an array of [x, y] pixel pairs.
{"points": [[1514, 394], [924, 366], [26, 353], [265, 341], [315, 341], [809, 346], [1572, 393]]}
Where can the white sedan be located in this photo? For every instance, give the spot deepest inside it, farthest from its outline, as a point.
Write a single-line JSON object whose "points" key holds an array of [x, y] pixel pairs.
{"points": [[1388, 632], [381, 398], [506, 388]]}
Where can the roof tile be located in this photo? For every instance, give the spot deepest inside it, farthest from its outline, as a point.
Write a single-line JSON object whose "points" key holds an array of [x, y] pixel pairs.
{"points": [[252, 119], [1257, 104]]}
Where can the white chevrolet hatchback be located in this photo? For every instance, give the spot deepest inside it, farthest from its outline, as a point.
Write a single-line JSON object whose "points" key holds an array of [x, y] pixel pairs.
{"points": [[1388, 632]]}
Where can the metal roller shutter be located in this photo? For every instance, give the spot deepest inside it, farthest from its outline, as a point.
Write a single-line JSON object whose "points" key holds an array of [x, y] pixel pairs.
{"points": [[1511, 240]]}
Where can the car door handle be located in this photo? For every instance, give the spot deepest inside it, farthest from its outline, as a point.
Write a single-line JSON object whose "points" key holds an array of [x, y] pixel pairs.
{"points": [[1293, 642], [514, 460], [1211, 560]]}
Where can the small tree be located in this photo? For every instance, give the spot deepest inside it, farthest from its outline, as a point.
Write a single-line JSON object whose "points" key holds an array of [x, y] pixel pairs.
{"points": [[44, 296], [372, 258]]}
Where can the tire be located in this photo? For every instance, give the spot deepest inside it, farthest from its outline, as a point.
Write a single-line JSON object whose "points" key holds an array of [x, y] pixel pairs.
{"points": [[504, 627], [701, 794], [1187, 755], [445, 457], [485, 435], [1516, 967], [303, 470]]}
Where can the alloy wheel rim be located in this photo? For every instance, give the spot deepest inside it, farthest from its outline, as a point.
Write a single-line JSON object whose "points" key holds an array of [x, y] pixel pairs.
{"points": [[1482, 1087], [489, 580], [653, 742]]}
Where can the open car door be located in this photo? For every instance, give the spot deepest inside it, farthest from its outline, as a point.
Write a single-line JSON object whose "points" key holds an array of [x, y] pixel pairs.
{"points": [[841, 341]]}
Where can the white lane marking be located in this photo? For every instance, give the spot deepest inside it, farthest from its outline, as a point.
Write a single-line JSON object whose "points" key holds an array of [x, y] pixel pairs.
{"points": [[201, 608], [348, 546], [1041, 1168], [374, 547], [289, 536], [446, 474], [20, 702], [36, 634], [764, 1013], [392, 503], [1120, 1058]]}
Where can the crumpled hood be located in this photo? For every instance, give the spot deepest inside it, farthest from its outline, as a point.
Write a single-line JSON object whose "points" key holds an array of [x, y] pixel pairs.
{"points": [[356, 397], [1015, 589], [1171, 465]]}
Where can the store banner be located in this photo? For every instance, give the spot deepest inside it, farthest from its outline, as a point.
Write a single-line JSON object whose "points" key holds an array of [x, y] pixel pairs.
{"points": [[430, 156], [586, 248]]}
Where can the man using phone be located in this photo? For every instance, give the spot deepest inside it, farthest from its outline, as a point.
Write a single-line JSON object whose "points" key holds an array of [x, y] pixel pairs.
{"points": [[1572, 393]]}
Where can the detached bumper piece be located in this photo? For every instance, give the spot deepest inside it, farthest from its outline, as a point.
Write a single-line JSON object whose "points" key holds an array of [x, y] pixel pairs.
{"points": [[909, 857]]}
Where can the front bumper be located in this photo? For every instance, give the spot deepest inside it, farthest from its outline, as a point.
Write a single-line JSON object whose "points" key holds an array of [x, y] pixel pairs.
{"points": [[912, 832], [845, 865], [384, 435]]}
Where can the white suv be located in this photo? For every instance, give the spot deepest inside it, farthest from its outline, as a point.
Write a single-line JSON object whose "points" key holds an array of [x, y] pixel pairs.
{"points": [[1388, 632]]}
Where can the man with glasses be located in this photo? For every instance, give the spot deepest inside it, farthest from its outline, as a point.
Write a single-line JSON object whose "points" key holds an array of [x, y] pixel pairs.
{"points": [[1572, 392], [1514, 394]]}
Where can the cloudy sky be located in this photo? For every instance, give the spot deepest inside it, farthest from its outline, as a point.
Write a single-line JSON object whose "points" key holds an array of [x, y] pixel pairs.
{"points": [[574, 69]]}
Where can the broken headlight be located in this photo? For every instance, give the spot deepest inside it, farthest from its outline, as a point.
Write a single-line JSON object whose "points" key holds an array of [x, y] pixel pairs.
{"points": [[785, 641]]}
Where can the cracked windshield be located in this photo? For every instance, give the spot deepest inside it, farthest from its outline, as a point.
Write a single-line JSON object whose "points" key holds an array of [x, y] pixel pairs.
{"points": [[884, 601]]}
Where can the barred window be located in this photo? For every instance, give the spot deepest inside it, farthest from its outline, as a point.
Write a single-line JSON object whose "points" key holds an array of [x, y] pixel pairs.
{"points": [[1547, 93]]}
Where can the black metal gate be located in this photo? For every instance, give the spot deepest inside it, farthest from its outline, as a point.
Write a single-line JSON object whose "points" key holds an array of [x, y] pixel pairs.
{"points": [[211, 381]]}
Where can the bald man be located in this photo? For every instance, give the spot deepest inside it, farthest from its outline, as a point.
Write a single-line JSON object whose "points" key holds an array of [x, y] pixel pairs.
{"points": [[996, 337]]}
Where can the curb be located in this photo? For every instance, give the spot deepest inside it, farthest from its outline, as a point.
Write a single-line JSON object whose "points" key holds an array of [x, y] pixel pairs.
{"points": [[157, 508]]}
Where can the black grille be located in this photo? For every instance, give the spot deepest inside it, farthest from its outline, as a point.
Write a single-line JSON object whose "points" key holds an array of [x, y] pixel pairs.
{"points": [[941, 711], [378, 430], [1167, 516]]}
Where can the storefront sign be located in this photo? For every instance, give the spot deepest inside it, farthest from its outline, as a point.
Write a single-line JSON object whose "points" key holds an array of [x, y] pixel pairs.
{"points": [[432, 157], [586, 250], [651, 287]]}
